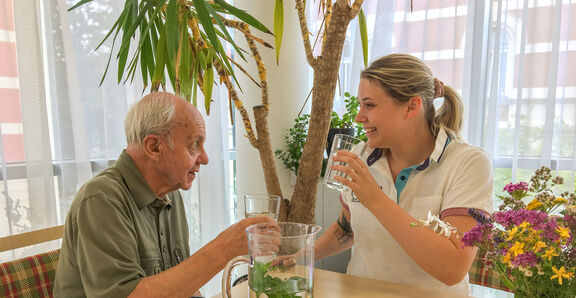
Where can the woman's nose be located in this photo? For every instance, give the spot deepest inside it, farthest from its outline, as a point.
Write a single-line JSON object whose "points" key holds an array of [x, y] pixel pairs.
{"points": [[360, 117]]}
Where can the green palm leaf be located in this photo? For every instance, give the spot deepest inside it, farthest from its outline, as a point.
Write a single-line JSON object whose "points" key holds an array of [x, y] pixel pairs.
{"points": [[363, 35], [244, 16], [278, 27]]}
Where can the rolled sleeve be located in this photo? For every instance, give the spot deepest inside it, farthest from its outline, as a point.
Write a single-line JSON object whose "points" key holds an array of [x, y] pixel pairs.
{"points": [[106, 250], [472, 183]]}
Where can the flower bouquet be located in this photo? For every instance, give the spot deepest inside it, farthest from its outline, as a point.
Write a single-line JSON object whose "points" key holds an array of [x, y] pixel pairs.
{"points": [[530, 241]]}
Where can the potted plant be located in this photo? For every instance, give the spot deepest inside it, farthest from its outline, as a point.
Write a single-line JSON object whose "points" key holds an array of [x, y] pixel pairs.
{"points": [[295, 139], [345, 124]]}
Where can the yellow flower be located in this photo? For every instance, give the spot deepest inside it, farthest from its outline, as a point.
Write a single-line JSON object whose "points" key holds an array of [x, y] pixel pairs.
{"points": [[506, 258], [517, 248], [539, 245], [560, 200], [563, 232], [524, 225], [551, 252], [511, 233], [561, 273], [534, 204]]}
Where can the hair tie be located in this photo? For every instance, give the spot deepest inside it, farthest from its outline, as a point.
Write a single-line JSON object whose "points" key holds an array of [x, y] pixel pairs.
{"points": [[439, 88]]}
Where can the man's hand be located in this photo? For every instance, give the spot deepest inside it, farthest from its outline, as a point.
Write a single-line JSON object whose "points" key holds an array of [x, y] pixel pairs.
{"points": [[235, 236]]}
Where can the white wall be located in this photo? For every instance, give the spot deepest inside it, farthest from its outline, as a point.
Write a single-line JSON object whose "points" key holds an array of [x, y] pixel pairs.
{"points": [[288, 85]]}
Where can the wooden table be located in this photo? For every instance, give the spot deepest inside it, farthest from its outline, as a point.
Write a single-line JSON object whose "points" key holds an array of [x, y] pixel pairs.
{"points": [[337, 285]]}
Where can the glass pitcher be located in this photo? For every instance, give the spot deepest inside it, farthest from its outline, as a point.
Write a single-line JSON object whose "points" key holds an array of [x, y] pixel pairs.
{"points": [[280, 260]]}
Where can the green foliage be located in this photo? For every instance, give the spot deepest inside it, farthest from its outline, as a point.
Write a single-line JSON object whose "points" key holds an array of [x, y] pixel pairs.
{"points": [[363, 35], [274, 287], [296, 136], [180, 38], [278, 26], [348, 119], [295, 140]]}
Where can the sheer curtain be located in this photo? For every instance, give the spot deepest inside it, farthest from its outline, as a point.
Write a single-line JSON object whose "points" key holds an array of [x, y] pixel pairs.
{"points": [[70, 127], [510, 60]]}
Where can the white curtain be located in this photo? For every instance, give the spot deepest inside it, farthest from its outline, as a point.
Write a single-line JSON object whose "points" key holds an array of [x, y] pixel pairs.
{"points": [[510, 60], [72, 128]]}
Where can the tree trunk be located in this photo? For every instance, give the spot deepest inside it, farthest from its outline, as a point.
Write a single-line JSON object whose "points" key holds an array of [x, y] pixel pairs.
{"points": [[265, 150], [326, 70]]}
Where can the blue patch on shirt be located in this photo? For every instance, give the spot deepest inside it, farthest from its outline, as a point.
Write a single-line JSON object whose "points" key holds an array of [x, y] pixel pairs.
{"points": [[401, 180], [403, 176]]}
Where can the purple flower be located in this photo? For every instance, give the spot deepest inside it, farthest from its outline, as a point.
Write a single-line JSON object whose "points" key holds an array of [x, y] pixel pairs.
{"points": [[549, 230], [477, 234], [515, 217], [528, 259], [512, 187], [480, 216]]}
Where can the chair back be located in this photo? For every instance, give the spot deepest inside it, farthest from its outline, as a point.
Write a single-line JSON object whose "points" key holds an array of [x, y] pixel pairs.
{"points": [[30, 276], [481, 274]]}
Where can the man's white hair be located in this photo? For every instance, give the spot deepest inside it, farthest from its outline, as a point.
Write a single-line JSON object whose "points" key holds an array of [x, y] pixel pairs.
{"points": [[152, 115]]}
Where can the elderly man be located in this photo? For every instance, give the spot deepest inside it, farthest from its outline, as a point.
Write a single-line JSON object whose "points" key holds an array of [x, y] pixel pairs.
{"points": [[126, 232]]}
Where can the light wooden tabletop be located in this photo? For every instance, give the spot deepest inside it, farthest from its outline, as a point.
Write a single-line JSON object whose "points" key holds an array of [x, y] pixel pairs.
{"points": [[337, 285]]}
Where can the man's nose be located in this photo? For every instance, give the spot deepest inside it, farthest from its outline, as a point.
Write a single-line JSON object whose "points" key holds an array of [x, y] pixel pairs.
{"points": [[203, 158]]}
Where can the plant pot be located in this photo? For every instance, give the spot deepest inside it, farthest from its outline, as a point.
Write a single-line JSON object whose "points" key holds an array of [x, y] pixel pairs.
{"points": [[334, 131]]}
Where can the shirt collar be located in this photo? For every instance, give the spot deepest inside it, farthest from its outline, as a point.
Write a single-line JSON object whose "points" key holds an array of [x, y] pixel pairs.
{"points": [[137, 185], [442, 141]]}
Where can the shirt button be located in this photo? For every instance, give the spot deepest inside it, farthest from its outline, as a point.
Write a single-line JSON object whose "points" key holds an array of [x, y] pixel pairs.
{"points": [[402, 178], [165, 249], [162, 233]]}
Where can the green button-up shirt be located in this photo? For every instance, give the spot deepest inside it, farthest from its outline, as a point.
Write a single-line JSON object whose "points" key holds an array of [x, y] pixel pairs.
{"points": [[117, 232]]}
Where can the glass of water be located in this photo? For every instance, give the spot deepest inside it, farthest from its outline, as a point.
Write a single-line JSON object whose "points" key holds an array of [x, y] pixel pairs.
{"points": [[341, 142], [256, 205]]}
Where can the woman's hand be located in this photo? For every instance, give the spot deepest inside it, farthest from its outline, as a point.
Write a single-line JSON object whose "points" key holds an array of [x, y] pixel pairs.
{"points": [[360, 181]]}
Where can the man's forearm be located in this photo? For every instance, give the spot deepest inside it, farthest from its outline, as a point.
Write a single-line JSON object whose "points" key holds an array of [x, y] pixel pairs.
{"points": [[187, 277]]}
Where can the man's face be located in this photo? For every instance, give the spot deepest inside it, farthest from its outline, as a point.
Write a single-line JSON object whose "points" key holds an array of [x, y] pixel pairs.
{"points": [[178, 165]]}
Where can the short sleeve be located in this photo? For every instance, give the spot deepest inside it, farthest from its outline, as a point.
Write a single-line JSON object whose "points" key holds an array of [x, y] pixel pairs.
{"points": [[106, 248], [473, 182]]}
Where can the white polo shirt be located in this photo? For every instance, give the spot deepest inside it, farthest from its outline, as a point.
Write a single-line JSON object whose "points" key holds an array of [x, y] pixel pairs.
{"points": [[455, 175]]}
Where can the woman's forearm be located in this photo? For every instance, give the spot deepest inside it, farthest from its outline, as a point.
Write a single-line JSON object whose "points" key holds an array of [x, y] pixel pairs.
{"points": [[336, 239], [436, 254]]}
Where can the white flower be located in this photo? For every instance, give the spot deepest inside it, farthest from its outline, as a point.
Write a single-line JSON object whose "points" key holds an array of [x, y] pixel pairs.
{"points": [[437, 225], [527, 271]]}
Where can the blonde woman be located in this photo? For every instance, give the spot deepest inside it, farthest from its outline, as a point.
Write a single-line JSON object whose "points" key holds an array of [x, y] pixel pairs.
{"points": [[416, 162]]}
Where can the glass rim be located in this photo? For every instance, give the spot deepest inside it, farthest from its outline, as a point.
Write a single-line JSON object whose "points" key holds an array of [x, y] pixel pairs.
{"points": [[261, 197], [311, 230]]}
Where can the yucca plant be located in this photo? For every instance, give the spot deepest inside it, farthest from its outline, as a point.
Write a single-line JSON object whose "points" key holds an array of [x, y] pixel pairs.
{"points": [[181, 38], [184, 39]]}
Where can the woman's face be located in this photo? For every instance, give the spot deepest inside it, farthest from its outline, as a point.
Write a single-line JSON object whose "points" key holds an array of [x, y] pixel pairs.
{"points": [[381, 116]]}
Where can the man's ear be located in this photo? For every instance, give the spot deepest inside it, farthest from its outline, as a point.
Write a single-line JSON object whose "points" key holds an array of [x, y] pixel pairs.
{"points": [[151, 146], [414, 106]]}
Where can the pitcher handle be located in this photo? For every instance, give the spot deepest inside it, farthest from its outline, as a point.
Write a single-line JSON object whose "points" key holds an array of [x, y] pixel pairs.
{"points": [[239, 260]]}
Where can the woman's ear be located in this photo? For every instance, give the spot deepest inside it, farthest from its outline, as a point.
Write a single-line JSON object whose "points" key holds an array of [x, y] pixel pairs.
{"points": [[414, 106], [151, 146]]}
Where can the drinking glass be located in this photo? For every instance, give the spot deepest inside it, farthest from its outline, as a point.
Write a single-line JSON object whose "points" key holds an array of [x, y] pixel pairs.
{"points": [[280, 260], [257, 205], [341, 142]]}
